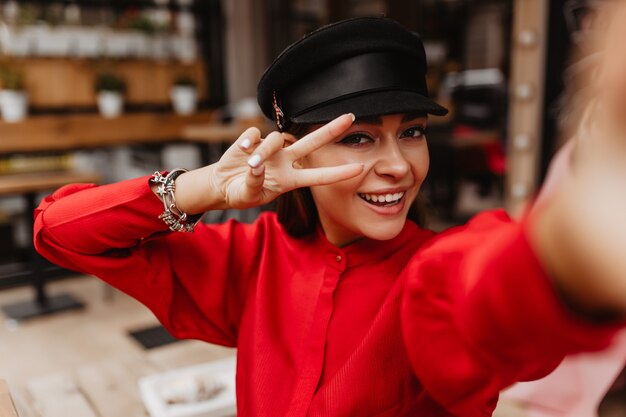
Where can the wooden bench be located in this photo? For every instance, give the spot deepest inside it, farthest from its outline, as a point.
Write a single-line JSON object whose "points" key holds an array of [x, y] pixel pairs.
{"points": [[28, 185], [7, 408]]}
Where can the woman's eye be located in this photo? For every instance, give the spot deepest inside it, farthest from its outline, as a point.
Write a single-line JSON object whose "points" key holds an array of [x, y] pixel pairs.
{"points": [[356, 139], [414, 132]]}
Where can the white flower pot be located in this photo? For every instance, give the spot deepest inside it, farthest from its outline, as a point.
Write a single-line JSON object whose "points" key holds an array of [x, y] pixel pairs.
{"points": [[184, 99], [110, 104], [13, 105]]}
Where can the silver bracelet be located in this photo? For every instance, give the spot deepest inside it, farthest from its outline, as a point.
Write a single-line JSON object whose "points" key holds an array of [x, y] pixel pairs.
{"points": [[176, 219]]}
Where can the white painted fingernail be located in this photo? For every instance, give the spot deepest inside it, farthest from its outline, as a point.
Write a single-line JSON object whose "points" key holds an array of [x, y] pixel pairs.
{"points": [[254, 160], [353, 117], [246, 143], [258, 170]]}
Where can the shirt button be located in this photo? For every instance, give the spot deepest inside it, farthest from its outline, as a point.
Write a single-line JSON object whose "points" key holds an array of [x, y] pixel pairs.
{"points": [[338, 258]]}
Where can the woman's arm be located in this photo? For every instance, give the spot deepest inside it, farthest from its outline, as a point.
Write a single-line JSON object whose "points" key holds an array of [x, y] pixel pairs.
{"points": [[193, 282], [480, 313], [579, 229], [497, 302], [92, 220]]}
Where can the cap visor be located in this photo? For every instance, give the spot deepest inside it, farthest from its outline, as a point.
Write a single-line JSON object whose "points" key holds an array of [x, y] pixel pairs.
{"points": [[373, 104]]}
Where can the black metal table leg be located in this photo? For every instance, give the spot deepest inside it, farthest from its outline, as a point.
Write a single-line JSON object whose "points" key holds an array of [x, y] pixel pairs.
{"points": [[42, 304]]}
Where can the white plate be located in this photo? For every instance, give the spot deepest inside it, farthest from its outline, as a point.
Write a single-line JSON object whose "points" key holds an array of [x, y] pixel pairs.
{"points": [[175, 393]]}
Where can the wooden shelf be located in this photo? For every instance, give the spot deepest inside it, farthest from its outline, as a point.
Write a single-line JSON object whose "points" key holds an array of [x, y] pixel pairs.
{"points": [[224, 133], [60, 133]]}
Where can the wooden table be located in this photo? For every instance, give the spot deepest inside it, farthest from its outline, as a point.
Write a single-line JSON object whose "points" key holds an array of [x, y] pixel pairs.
{"points": [[37, 270], [105, 388]]}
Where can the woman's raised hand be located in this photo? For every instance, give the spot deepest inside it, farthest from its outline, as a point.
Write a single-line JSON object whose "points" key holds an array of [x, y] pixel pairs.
{"points": [[255, 171], [579, 227]]}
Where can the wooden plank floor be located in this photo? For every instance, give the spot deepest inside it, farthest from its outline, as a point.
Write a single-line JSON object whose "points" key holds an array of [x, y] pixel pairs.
{"points": [[7, 407], [83, 363]]}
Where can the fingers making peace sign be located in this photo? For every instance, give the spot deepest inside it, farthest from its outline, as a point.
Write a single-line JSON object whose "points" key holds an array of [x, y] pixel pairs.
{"points": [[255, 171]]}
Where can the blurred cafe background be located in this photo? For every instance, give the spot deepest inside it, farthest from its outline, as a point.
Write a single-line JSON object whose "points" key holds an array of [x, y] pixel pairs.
{"points": [[105, 90]]}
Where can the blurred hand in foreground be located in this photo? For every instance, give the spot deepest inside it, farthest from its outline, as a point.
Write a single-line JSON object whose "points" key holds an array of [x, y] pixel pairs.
{"points": [[579, 223]]}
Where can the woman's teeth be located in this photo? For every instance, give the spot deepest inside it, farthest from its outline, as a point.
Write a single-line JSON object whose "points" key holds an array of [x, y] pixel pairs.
{"points": [[383, 199]]}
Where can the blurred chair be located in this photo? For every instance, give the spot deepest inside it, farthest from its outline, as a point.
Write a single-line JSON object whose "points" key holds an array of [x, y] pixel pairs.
{"points": [[575, 389]]}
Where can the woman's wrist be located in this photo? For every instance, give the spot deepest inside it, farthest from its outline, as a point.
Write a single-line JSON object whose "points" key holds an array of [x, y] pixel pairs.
{"points": [[195, 193]]}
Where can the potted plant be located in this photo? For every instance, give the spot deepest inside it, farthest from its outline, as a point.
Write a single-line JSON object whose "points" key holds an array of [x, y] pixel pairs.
{"points": [[110, 89], [13, 98], [184, 95]]}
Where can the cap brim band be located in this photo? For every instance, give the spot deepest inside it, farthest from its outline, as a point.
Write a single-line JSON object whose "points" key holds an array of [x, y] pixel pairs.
{"points": [[372, 104]]}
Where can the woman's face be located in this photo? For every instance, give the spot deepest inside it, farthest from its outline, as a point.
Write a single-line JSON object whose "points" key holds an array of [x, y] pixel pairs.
{"points": [[374, 204]]}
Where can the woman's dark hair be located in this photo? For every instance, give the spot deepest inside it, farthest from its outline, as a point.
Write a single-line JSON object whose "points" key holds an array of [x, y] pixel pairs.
{"points": [[297, 212]]}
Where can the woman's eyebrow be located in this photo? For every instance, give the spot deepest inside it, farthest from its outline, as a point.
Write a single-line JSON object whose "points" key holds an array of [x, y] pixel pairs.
{"points": [[412, 116], [377, 120], [370, 120]]}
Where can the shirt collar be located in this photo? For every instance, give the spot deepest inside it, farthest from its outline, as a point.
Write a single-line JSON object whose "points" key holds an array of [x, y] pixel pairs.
{"points": [[368, 250]]}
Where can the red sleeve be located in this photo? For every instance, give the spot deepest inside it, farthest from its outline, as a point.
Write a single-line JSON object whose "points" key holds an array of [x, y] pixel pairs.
{"points": [[480, 313], [193, 282]]}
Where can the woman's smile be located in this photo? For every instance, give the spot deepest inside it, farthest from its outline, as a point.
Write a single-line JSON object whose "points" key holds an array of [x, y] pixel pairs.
{"points": [[385, 203]]}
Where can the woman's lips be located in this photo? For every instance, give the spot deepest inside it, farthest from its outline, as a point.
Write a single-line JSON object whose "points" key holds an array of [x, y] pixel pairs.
{"points": [[379, 204]]}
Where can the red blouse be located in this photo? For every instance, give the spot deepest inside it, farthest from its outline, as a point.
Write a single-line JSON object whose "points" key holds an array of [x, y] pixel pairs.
{"points": [[419, 325]]}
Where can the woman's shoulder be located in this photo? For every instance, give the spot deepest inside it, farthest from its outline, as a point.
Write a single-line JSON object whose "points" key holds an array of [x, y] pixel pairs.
{"points": [[472, 233], [485, 220]]}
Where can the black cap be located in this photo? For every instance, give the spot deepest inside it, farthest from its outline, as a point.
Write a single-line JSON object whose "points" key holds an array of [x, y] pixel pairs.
{"points": [[367, 66]]}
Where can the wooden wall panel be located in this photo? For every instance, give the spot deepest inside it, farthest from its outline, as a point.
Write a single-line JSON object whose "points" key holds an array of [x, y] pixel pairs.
{"points": [[58, 83]]}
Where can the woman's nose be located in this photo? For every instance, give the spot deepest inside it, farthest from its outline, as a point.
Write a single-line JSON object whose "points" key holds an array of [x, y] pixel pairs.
{"points": [[392, 162]]}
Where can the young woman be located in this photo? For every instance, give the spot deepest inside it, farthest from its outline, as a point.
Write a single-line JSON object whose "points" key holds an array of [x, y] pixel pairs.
{"points": [[339, 304]]}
